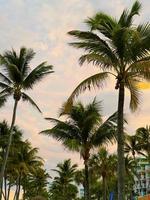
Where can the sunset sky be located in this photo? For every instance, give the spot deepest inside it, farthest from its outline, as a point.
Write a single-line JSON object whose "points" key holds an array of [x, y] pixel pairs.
{"points": [[43, 26]]}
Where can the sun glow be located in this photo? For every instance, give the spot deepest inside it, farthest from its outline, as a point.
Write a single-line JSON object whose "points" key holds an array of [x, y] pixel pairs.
{"points": [[144, 85]]}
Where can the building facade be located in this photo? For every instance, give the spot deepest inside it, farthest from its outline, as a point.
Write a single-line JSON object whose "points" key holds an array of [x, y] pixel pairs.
{"points": [[142, 180]]}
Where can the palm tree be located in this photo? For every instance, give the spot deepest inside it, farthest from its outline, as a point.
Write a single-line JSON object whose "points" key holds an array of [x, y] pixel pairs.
{"points": [[35, 183], [82, 131], [16, 138], [121, 49], [16, 78], [143, 135], [24, 161], [130, 173], [105, 166], [132, 145], [62, 184]]}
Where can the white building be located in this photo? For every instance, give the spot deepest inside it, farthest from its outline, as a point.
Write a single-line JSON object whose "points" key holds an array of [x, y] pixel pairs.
{"points": [[142, 181]]}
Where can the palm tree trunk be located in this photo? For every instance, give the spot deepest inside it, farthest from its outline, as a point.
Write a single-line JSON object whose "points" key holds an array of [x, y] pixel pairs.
{"points": [[120, 140], [86, 191], [5, 186], [104, 188], [9, 187], [19, 185], [9, 144]]}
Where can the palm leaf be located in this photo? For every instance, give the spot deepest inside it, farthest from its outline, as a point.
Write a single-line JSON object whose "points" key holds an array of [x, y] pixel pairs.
{"points": [[131, 84], [62, 131], [5, 79], [4, 85], [107, 131], [127, 16], [14, 73], [3, 99], [95, 81], [92, 43], [25, 97], [102, 61], [37, 74], [142, 68], [25, 56], [102, 22]]}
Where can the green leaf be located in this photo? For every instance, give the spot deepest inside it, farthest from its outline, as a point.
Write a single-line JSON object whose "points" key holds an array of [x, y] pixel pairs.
{"points": [[37, 74], [25, 97]]}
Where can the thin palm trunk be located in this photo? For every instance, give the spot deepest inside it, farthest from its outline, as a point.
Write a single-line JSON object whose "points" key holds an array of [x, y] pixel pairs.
{"points": [[120, 140], [9, 144], [104, 188], [9, 187], [5, 186], [19, 186], [86, 191]]}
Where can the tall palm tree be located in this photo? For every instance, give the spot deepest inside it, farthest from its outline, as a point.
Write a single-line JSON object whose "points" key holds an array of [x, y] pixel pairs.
{"points": [[121, 49], [82, 131], [143, 135], [105, 166], [17, 77]]}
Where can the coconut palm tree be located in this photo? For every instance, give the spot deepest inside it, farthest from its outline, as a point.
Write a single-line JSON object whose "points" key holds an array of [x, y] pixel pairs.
{"points": [[17, 77], [16, 139], [62, 185], [132, 145], [82, 131], [119, 49], [25, 161], [35, 183], [143, 135], [105, 166]]}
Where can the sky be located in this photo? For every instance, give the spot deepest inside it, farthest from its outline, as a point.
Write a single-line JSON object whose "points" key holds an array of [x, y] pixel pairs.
{"points": [[43, 26]]}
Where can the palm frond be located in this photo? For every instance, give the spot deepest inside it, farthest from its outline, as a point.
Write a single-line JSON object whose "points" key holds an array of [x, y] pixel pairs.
{"points": [[107, 131], [25, 56], [5, 79], [62, 131], [25, 97], [95, 81], [92, 43], [141, 68], [37, 74], [104, 62], [131, 84], [3, 99], [4, 85], [127, 16], [14, 73], [102, 22]]}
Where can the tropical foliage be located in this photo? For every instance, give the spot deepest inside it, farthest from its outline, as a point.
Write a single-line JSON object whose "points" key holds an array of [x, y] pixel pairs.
{"points": [[82, 131], [15, 79], [120, 49]]}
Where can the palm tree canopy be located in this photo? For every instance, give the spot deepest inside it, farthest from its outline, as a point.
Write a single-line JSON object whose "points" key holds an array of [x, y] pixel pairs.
{"points": [[83, 128], [132, 145], [118, 48], [16, 74], [104, 163], [66, 172], [143, 135], [25, 159]]}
